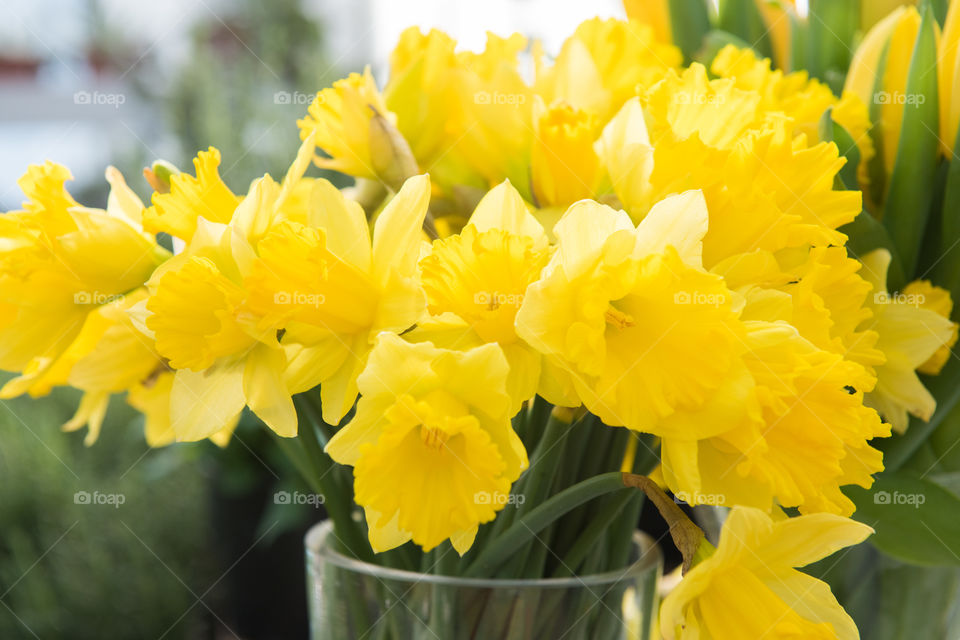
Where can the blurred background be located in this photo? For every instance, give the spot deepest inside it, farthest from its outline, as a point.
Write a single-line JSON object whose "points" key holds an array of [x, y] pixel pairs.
{"points": [[190, 541]]}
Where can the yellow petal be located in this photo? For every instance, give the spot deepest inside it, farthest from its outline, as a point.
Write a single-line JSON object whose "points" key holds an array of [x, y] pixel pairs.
{"points": [[397, 231], [344, 222], [266, 392], [503, 208], [678, 221], [91, 412], [204, 402]]}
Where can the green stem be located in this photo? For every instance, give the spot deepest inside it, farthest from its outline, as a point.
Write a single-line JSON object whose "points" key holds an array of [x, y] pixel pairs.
{"points": [[501, 547], [544, 463], [322, 475], [599, 525]]}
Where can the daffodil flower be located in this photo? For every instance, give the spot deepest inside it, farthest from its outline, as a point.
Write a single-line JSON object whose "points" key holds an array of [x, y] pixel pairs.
{"points": [[67, 275], [750, 587], [431, 443], [478, 278], [629, 312], [910, 335]]}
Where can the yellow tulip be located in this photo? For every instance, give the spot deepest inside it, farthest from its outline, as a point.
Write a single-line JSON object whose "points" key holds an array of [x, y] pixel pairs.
{"points": [[655, 13], [873, 11], [777, 16], [948, 77], [896, 35]]}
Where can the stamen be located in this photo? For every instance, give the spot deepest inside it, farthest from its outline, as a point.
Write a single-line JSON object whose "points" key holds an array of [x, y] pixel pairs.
{"points": [[618, 318], [432, 437]]}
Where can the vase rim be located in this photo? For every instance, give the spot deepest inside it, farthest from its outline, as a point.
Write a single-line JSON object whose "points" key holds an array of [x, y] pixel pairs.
{"points": [[650, 560]]}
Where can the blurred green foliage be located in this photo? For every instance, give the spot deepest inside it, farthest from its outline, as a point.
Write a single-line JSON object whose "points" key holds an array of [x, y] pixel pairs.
{"points": [[70, 570], [248, 78]]}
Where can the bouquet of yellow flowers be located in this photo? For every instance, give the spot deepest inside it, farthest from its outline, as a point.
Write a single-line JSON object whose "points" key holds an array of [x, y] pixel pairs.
{"points": [[547, 296]]}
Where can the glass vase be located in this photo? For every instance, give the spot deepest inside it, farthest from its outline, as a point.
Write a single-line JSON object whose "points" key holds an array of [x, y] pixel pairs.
{"points": [[351, 599]]}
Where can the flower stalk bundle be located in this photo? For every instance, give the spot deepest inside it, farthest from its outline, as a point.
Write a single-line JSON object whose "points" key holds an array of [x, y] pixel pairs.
{"points": [[545, 295]]}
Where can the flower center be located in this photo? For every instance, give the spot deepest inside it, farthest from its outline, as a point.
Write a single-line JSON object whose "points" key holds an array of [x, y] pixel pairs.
{"points": [[433, 437], [617, 318]]}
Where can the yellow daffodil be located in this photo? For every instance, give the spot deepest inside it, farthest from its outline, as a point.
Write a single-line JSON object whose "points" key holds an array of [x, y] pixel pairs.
{"points": [[342, 120], [64, 273], [602, 65], [495, 128], [827, 301], [197, 317], [936, 299], [108, 356], [564, 167], [422, 90], [644, 331], [481, 275], [805, 434], [431, 443], [750, 587], [219, 309], [332, 288], [910, 335], [750, 162], [204, 196], [799, 97]]}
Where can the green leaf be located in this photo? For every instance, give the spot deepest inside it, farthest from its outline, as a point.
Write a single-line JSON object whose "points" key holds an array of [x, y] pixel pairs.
{"points": [[911, 185], [890, 600], [946, 271], [876, 167], [743, 19], [899, 449], [716, 40], [865, 233], [689, 25], [915, 519], [830, 131], [832, 26], [799, 40], [940, 10]]}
